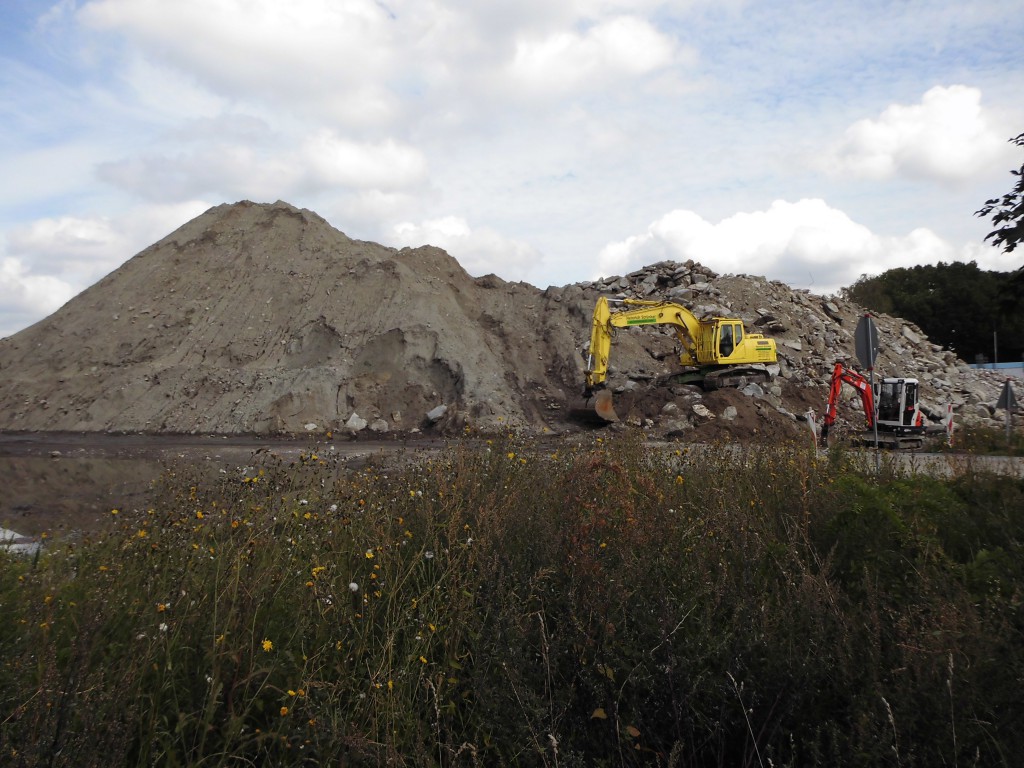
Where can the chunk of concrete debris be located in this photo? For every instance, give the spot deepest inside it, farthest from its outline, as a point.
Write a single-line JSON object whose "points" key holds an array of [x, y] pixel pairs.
{"points": [[910, 336], [434, 415], [753, 390], [355, 423], [17, 544], [702, 411]]}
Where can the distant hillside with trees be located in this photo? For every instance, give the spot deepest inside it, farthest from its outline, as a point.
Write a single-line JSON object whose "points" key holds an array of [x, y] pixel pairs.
{"points": [[966, 309]]}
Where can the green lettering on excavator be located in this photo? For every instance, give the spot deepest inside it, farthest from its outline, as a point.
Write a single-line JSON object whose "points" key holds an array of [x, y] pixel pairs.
{"points": [[642, 320]]}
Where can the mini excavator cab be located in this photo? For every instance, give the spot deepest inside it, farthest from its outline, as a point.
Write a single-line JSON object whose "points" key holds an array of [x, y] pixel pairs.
{"points": [[897, 403]]}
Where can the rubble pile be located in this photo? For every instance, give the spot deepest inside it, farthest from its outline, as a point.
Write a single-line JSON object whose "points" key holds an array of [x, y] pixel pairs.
{"points": [[812, 333], [264, 319]]}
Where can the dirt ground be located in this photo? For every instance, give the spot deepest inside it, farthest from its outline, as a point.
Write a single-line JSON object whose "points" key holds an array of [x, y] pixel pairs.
{"points": [[61, 483]]}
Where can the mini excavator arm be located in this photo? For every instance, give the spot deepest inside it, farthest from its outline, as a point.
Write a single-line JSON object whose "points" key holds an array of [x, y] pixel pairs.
{"points": [[843, 375]]}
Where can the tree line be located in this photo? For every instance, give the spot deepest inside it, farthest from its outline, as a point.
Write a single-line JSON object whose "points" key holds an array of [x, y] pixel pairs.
{"points": [[972, 311]]}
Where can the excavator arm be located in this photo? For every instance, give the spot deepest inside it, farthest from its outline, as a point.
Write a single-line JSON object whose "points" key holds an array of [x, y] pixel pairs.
{"points": [[843, 375], [686, 326]]}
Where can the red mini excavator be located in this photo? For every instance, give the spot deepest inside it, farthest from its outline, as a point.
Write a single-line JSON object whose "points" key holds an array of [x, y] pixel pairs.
{"points": [[900, 422]]}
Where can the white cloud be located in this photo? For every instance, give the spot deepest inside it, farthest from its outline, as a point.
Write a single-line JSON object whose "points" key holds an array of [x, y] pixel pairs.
{"points": [[565, 60], [299, 51], [806, 244], [260, 167], [365, 65], [948, 136], [479, 251], [385, 165], [28, 295], [80, 250]]}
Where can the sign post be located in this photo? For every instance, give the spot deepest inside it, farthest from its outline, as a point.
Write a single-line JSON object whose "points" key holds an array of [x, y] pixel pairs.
{"points": [[1007, 401], [865, 339]]}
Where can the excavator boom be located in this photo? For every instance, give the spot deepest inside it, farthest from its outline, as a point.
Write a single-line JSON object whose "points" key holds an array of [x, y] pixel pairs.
{"points": [[843, 375]]}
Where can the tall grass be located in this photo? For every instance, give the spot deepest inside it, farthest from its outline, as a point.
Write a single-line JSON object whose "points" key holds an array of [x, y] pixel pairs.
{"points": [[506, 603]]}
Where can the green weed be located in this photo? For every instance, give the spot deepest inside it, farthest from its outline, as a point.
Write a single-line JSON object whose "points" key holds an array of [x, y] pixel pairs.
{"points": [[511, 603]]}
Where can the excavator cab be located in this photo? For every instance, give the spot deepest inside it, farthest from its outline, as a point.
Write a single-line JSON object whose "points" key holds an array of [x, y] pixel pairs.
{"points": [[897, 404]]}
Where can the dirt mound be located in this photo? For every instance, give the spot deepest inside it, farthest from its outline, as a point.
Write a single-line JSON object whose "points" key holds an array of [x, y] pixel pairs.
{"points": [[265, 319]]}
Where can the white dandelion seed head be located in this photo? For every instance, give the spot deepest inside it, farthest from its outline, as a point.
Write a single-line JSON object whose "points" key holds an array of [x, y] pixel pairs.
{"points": [[163, 626], [353, 587], [429, 554]]}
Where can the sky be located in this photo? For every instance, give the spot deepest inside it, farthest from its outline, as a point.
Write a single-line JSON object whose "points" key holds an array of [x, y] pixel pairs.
{"points": [[808, 141]]}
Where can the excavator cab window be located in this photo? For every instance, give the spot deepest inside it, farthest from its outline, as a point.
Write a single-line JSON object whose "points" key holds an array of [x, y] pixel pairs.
{"points": [[726, 343], [909, 404], [889, 401]]}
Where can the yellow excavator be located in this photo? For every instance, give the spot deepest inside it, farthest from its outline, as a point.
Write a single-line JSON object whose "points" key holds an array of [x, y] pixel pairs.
{"points": [[714, 353]]}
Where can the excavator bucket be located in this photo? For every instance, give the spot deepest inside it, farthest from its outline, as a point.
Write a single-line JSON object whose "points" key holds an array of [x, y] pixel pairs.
{"points": [[596, 409]]}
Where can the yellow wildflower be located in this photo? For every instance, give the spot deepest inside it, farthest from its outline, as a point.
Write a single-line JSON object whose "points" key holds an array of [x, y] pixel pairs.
{"points": [[268, 646]]}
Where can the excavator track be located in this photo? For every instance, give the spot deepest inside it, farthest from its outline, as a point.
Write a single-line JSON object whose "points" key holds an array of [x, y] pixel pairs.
{"points": [[888, 441], [736, 377]]}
